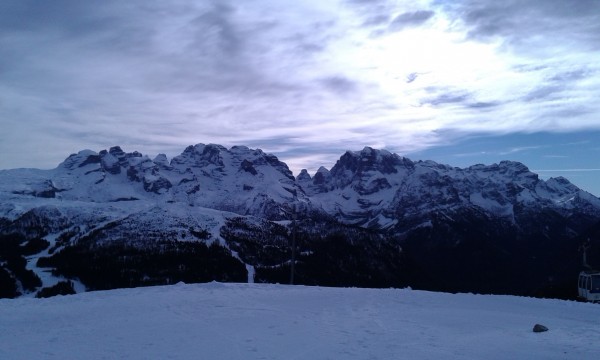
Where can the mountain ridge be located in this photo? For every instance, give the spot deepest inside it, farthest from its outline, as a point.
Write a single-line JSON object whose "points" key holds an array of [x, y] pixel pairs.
{"points": [[379, 216]]}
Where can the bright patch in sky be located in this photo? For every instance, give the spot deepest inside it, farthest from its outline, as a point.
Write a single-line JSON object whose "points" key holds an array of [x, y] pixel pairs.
{"points": [[305, 80]]}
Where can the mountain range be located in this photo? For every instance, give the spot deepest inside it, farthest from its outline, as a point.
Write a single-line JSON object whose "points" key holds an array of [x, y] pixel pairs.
{"points": [[111, 219]]}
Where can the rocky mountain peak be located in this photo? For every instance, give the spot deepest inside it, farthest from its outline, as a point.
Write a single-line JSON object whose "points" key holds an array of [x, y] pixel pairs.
{"points": [[561, 184], [367, 160], [116, 151], [216, 159], [322, 176], [162, 161], [200, 155], [81, 159], [515, 168], [304, 176]]}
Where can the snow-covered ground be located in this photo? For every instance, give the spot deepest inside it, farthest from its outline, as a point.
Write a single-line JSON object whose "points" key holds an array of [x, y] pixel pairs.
{"points": [[257, 321]]}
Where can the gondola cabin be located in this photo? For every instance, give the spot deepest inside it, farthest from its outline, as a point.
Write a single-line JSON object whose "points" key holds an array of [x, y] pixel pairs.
{"points": [[589, 285]]}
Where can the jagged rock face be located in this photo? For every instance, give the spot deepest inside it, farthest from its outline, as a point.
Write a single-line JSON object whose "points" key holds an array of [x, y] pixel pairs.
{"points": [[304, 176], [162, 162], [368, 160], [240, 180], [200, 156], [105, 175], [248, 167], [364, 171], [321, 182]]}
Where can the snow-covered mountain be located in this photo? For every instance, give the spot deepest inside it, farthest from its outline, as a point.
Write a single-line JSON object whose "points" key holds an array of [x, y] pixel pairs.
{"points": [[374, 219], [371, 188], [375, 188], [241, 180]]}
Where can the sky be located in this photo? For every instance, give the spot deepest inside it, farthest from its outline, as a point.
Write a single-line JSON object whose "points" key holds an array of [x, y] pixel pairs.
{"points": [[460, 82]]}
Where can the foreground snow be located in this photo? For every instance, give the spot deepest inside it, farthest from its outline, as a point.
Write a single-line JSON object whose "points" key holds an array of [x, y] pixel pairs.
{"points": [[254, 321]]}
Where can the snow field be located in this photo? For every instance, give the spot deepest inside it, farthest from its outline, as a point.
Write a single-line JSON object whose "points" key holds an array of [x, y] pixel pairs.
{"points": [[258, 321]]}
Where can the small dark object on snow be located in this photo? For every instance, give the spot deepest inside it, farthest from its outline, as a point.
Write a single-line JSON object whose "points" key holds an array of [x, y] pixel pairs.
{"points": [[539, 328]]}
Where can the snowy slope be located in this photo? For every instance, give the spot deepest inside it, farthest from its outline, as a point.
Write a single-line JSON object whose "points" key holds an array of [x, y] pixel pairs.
{"points": [[251, 321]]}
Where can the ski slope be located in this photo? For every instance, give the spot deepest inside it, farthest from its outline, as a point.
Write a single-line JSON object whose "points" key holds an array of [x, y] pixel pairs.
{"points": [[259, 321]]}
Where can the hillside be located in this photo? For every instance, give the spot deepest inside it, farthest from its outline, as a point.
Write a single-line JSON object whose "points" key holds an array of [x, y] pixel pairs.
{"points": [[252, 321]]}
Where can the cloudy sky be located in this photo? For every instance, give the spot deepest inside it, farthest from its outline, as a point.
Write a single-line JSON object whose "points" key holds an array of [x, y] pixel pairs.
{"points": [[456, 81]]}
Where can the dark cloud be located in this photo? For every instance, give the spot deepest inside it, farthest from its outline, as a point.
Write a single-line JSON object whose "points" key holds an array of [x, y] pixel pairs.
{"points": [[557, 84], [570, 111], [306, 44], [377, 19], [383, 15], [483, 105], [214, 31], [569, 76], [442, 96], [542, 93], [529, 68], [208, 50], [523, 23], [410, 19], [339, 84], [448, 99], [411, 77], [451, 96]]}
